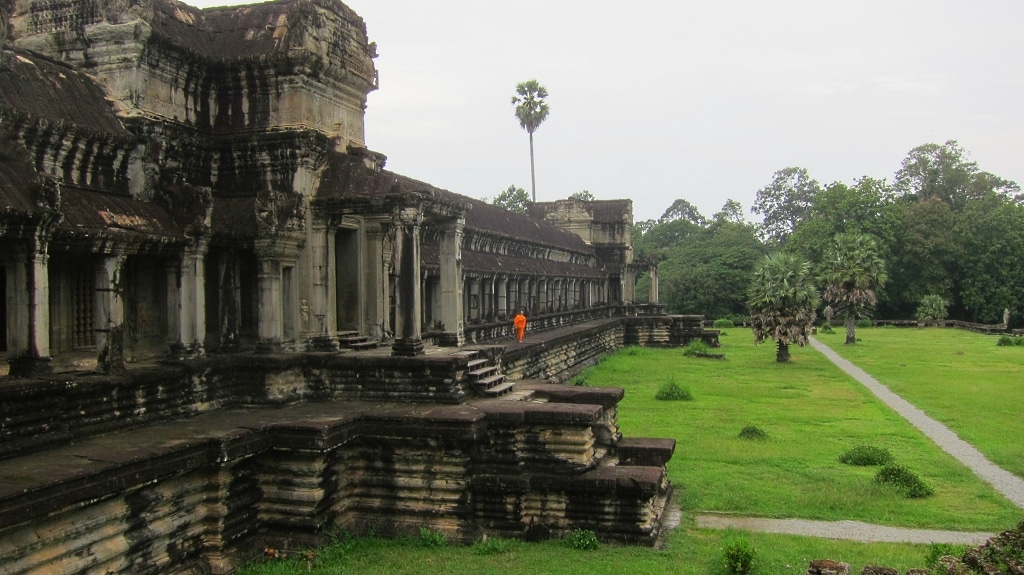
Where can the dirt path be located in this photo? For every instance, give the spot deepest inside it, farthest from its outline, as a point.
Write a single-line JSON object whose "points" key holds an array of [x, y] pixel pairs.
{"points": [[851, 530]]}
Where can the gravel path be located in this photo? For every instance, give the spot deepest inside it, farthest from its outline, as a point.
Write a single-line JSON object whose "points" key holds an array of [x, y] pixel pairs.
{"points": [[851, 530], [1011, 486]]}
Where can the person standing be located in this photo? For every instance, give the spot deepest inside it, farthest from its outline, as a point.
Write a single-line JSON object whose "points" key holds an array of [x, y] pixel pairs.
{"points": [[519, 322]]}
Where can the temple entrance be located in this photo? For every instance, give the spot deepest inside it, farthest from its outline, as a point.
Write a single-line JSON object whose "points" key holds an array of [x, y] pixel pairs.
{"points": [[348, 277], [72, 303]]}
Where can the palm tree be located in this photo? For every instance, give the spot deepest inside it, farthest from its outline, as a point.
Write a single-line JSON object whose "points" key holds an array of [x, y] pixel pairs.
{"points": [[851, 272], [532, 110], [782, 300]]}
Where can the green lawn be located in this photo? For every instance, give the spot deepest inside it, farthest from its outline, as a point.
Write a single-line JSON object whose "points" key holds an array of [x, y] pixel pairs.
{"points": [[812, 412], [960, 378]]}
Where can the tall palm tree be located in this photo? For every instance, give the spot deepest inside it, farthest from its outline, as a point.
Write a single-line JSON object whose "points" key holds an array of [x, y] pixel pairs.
{"points": [[782, 300], [532, 110], [851, 272]]}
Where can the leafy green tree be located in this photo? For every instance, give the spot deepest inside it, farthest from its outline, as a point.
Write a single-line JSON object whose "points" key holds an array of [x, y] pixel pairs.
{"points": [[531, 111], [923, 258], [851, 273], [732, 211], [584, 196], [782, 301], [683, 210], [785, 202], [945, 172], [989, 243], [513, 199]]}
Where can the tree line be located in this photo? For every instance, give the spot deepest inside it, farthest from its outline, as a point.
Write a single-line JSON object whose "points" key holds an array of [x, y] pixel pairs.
{"points": [[943, 230]]}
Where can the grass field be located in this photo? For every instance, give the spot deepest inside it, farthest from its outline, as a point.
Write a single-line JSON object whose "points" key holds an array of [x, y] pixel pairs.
{"points": [[812, 413], [960, 378]]}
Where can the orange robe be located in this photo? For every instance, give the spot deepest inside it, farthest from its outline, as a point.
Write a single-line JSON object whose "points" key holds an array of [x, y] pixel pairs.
{"points": [[519, 322]]}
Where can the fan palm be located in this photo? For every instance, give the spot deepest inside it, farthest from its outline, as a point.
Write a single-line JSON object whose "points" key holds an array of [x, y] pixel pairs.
{"points": [[782, 301], [531, 110], [851, 272]]}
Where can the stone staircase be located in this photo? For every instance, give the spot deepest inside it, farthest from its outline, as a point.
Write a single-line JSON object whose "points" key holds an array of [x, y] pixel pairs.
{"points": [[352, 340], [484, 376]]}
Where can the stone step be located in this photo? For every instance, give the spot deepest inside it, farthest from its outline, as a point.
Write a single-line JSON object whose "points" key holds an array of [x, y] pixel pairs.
{"points": [[499, 390], [489, 382], [476, 363], [477, 374], [363, 345]]}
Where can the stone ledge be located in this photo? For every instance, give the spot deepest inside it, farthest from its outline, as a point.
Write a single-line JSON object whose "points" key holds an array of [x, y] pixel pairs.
{"points": [[645, 450]]}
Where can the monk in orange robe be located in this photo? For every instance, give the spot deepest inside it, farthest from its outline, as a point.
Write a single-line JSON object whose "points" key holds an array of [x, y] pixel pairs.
{"points": [[519, 322]]}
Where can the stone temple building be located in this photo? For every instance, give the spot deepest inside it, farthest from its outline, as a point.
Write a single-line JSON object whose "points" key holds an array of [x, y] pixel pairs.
{"points": [[195, 187]]}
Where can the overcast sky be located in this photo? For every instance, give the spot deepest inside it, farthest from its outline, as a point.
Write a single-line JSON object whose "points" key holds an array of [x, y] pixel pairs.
{"points": [[658, 100]]}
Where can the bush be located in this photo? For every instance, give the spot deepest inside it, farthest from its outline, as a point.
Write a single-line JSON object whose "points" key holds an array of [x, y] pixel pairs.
{"points": [[938, 550], [582, 539], [932, 308], [431, 538], [753, 433], [904, 480], [723, 323], [670, 391], [495, 546], [826, 328], [1005, 340], [739, 556], [580, 380], [695, 348], [861, 323], [866, 455]]}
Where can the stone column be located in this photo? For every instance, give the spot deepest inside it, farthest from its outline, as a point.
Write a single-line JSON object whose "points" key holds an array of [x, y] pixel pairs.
{"points": [[653, 296], [408, 340], [109, 314], [376, 280], [542, 295], [452, 282], [487, 296], [320, 317], [28, 312], [269, 328], [628, 285], [187, 301], [502, 289]]}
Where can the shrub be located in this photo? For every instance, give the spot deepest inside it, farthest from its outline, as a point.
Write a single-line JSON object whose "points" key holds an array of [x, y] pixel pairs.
{"points": [[432, 538], [866, 455], [826, 328], [695, 348], [582, 539], [865, 323], [494, 546], [1005, 340], [938, 550], [739, 556], [670, 391], [580, 381], [904, 480], [723, 323], [753, 433], [932, 308]]}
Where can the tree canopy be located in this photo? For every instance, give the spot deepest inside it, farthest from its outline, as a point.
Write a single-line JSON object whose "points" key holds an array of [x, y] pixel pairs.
{"points": [[851, 272], [783, 301], [513, 199]]}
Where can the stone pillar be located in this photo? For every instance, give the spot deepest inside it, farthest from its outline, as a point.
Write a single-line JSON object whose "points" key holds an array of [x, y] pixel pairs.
{"points": [[408, 340], [318, 313], [269, 328], [542, 295], [28, 312], [653, 297], [187, 301], [502, 289], [487, 297], [376, 280], [109, 314], [628, 285], [451, 284]]}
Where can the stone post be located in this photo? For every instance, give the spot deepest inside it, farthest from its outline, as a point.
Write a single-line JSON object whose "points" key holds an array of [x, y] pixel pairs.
{"points": [[269, 326], [109, 314], [502, 288], [189, 301], [452, 282], [376, 280], [408, 340], [628, 284], [653, 297], [542, 294], [28, 312]]}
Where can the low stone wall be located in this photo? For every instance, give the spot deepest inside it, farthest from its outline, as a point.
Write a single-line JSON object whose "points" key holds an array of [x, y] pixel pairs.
{"points": [[559, 359], [203, 494]]}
